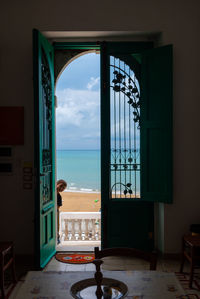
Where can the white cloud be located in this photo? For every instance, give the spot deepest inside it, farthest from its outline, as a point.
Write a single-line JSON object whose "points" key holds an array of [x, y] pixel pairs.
{"points": [[77, 106], [78, 119], [93, 82]]}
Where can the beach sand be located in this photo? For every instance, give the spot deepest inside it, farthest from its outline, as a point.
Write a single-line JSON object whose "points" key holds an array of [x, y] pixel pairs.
{"points": [[80, 202]]}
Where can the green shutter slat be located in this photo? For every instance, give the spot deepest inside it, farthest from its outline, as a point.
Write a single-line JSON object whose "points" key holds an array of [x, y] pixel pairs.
{"points": [[156, 125]]}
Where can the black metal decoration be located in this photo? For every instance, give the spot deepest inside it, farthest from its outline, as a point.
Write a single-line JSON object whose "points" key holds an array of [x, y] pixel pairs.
{"points": [[125, 130], [47, 88], [123, 82], [46, 111], [46, 160], [127, 187]]}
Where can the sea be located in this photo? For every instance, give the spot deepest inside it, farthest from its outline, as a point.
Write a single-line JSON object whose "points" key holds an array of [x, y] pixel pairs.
{"points": [[80, 169]]}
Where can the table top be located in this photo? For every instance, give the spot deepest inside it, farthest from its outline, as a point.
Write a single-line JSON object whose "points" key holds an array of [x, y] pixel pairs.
{"points": [[141, 284]]}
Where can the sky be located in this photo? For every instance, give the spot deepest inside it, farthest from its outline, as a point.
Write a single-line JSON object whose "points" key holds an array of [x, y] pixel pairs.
{"points": [[78, 111]]}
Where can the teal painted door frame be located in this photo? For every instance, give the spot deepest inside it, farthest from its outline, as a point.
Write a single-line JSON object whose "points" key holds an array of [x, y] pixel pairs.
{"points": [[44, 162]]}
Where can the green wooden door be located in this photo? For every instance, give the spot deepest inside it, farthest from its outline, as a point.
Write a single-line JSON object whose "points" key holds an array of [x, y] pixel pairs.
{"points": [[45, 235], [127, 211]]}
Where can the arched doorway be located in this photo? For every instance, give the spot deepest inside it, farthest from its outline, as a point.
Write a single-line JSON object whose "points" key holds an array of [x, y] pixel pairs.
{"points": [[78, 151]]}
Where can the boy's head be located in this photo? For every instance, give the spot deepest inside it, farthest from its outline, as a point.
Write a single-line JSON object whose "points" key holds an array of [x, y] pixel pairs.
{"points": [[61, 185]]}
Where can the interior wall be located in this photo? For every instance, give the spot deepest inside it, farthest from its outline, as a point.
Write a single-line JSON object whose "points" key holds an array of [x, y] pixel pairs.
{"points": [[178, 21]]}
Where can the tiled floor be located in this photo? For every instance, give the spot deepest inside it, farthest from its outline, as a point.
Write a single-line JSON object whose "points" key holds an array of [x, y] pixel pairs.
{"points": [[55, 265]]}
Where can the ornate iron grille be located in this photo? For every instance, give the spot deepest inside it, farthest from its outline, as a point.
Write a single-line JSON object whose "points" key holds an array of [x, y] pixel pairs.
{"points": [[125, 130], [46, 102], [46, 129]]}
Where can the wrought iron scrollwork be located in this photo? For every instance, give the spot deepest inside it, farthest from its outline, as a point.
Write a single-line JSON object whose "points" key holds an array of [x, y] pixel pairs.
{"points": [[125, 130], [46, 157], [45, 192], [123, 82], [46, 160], [47, 87], [46, 128], [124, 159], [126, 188]]}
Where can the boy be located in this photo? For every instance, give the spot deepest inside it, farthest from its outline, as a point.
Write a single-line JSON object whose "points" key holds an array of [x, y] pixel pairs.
{"points": [[61, 185]]}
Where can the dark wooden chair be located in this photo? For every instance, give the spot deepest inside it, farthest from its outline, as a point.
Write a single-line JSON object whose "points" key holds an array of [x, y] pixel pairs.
{"points": [[7, 260], [150, 257], [191, 252]]}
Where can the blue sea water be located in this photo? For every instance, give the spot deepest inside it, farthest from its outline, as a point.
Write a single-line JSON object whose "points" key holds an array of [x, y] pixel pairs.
{"points": [[80, 169]]}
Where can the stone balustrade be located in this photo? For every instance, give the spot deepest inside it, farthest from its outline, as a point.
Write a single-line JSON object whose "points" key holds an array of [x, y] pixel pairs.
{"points": [[80, 226]]}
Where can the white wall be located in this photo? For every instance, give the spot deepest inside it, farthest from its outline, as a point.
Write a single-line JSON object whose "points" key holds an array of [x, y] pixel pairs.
{"points": [[179, 23]]}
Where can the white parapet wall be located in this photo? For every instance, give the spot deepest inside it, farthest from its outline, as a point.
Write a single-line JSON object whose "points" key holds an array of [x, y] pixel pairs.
{"points": [[80, 226]]}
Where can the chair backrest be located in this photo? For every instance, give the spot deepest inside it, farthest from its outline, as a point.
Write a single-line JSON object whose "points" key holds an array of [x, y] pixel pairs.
{"points": [[150, 257]]}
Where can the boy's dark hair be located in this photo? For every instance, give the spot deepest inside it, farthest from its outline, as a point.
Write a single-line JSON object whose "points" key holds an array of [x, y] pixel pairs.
{"points": [[63, 182]]}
